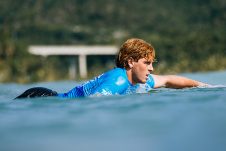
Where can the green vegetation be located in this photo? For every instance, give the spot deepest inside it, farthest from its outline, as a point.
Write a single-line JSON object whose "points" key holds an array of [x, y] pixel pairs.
{"points": [[188, 36]]}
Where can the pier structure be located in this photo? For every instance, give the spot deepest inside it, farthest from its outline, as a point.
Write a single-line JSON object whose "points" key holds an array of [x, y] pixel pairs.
{"points": [[80, 51]]}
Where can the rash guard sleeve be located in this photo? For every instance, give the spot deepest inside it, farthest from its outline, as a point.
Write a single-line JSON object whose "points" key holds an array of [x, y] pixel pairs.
{"points": [[150, 82]]}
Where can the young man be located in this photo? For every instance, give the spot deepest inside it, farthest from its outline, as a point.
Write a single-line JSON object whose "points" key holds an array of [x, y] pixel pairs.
{"points": [[131, 75]]}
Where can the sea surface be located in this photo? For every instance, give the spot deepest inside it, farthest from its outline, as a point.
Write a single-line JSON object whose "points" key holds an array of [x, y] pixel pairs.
{"points": [[191, 119]]}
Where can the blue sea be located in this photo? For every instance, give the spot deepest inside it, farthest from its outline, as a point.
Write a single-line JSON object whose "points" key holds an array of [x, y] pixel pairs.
{"points": [[191, 119]]}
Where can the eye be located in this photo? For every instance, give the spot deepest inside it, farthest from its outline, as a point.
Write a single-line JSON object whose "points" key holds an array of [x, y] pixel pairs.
{"points": [[147, 62]]}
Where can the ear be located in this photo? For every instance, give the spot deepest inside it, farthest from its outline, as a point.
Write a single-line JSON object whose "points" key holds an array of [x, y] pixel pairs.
{"points": [[130, 62]]}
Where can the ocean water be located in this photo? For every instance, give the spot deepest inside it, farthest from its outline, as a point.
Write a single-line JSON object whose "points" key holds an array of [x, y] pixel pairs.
{"points": [[163, 120]]}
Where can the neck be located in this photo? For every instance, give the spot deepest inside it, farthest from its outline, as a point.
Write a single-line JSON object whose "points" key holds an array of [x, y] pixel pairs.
{"points": [[130, 76]]}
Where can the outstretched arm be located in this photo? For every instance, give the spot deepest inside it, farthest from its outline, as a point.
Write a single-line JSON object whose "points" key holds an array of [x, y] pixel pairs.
{"points": [[177, 82]]}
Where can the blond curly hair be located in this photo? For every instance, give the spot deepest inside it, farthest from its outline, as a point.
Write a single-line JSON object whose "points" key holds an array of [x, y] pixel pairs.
{"points": [[136, 49]]}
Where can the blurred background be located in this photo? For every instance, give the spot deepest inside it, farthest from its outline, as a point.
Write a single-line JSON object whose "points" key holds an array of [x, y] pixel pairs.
{"points": [[188, 35]]}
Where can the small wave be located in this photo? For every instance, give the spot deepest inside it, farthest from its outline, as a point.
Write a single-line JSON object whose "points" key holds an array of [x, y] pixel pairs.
{"points": [[214, 86]]}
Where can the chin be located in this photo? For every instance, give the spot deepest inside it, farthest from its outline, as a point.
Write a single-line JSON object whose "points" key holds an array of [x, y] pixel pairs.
{"points": [[143, 81]]}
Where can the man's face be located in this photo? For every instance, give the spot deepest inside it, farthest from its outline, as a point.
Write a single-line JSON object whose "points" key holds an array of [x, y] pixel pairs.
{"points": [[140, 71]]}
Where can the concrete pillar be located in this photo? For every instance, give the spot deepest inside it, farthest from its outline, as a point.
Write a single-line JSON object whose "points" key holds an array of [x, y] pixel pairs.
{"points": [[73, 69], [82, 66]]}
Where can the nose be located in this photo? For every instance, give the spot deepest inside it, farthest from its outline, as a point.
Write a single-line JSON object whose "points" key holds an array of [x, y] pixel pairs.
{"points": [[150, 68]]}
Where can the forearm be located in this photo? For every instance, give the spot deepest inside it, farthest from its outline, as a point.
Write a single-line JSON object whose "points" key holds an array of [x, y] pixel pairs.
{"points": [[178, 82]]}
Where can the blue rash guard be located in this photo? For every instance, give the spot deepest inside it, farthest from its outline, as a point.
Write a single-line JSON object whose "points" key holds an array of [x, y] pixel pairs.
{"points": [[113, 82]]}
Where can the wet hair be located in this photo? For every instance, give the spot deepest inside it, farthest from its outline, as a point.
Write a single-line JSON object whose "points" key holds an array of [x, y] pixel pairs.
{"points": [[136, 49]]}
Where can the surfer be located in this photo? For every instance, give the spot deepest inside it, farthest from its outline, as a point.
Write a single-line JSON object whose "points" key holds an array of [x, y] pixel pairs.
{"points": [[132, 74]]}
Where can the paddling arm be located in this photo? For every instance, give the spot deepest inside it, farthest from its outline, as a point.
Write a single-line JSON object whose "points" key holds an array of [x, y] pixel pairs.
{"points": [[177, 82]]}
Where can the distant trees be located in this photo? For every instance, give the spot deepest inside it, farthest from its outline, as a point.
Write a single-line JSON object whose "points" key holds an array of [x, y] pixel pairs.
{"points": [[187, 35]]}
